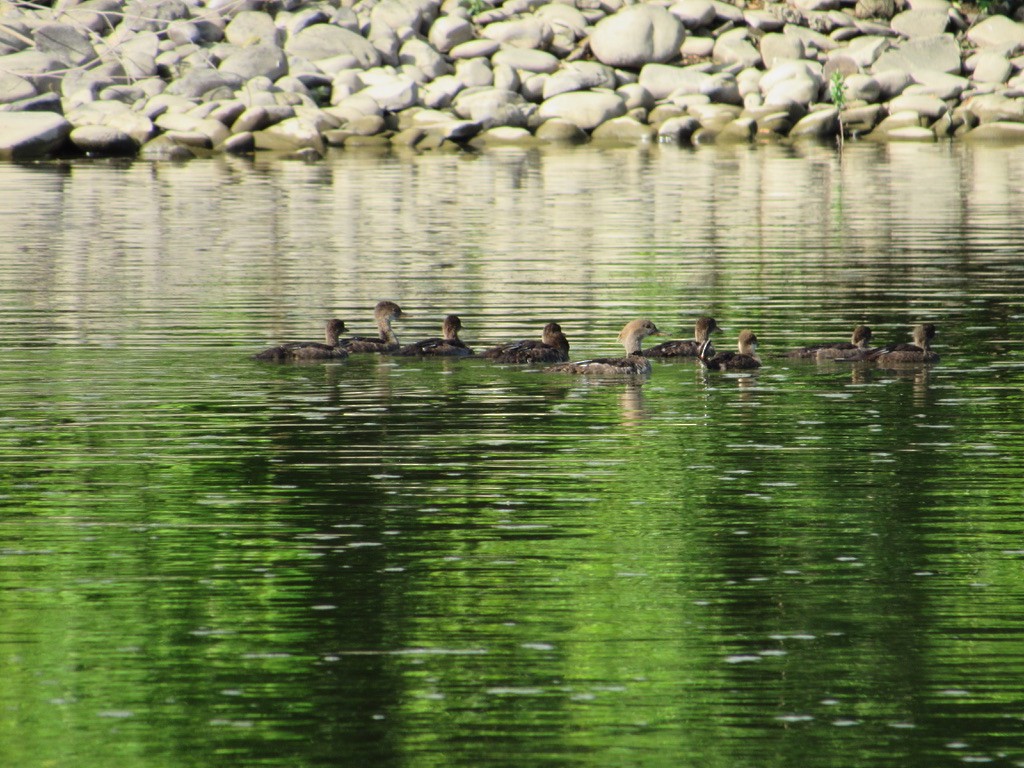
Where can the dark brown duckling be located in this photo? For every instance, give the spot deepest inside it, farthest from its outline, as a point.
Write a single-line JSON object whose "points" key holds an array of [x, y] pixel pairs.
{"points": [[309, 350], [448, 346], [858, 343], [634, 363], [384, 313], [552, 348], [745, 359], [918, 352], [702, 331]]}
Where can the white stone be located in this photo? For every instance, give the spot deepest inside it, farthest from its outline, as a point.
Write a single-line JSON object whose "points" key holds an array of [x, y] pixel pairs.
{"points": [[991, 68], [920, 23], [526, 60], [693, 13], [637, 35], [530, 33], [661, 80], [448, 32], [996, 31], [586, 109]]}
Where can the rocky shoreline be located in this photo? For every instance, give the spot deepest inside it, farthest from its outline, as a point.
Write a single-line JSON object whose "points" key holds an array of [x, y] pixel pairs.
{"points": [[175, 79]]}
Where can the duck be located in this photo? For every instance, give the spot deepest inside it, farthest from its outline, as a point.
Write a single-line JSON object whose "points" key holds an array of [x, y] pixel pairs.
{"points": [[634, 363], [553, 347], [858, 343], [450, 345], [309, 350], [702, 330], [745, 359], [384, 313], [918, 352]]}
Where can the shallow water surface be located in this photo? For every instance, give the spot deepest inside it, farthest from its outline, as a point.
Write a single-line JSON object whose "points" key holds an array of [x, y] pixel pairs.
{"points": [[205, 560]]}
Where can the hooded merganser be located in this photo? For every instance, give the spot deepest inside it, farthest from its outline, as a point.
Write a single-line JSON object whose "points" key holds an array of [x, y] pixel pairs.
{"points": [[552, 348], [309, 350], [383, 313], [745, 359], [448, 346], [858, 343], [918, 352], [702, 330], [631, 336]]}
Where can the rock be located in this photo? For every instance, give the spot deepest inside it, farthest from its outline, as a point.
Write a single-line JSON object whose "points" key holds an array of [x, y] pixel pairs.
{"points": [[742, 130], [449, 31], [862, 88], [860, 120], [103, 141], [441, 92], [252, 28], [996, 32], [637, 35], [920, 23], [256, 61], [530, 33], [822, 124], [662, 80], [367, 125], [938, 84], [15, 88], [763, 21], [727, 12], [864, 51], [677, 130], [290, 135], [700, 47], [490, 107], [996, 133], [503, 135], [586, 109], [474, 49], [995, 108], [722, 88], [624, 130], [991, 68], [240, 144], [776, 47], [164, 148], [473, 73], [420, 54], [395, 94], [730, 50], [561, 131], [812, 6], [798, 91], [580, 76], [326, 42], [31, 135], [875, 9], [526, 60], [399, 14], [813, 42], [196, 83], [892, 82], [66, 42], [41, 70], [563, 19], [928, 107], [940, 53], [910, 133], [695, 14]]}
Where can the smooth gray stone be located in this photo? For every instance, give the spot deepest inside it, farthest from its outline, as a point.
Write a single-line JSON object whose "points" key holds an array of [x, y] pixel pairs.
{"points": [[821, 124], [777, 47], [695, 14], [731, 50], [474, 73], [396, 14], [677, 130], [240, 144], [103, 141], [324, 41], [637, 35], [423, 55], [182, 32], [449, 31], [42, 70], [636, 96], [862, 88], [31, 135], [941, 53], [586, 109], [198, 82], [44, 102], [995, 108], [991, 68], [920, 23], [164, 148], [260, 60], [563, 19], [528, 33], [556, 130], [99, 16], [66, 42], [526, 60], [624, 130], [289, 136], [440, 93], [153, 15], [253, 28], [940, 84], [504, 135], [727, 12], [15, 88], [996, 31], [662, 80], [395, 95], [929, 107], [491, 107], [811, 40], [875, 9], [474, 49], [579, 76]]}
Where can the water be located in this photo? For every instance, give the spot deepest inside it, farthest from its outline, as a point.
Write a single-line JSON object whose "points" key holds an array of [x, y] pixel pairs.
{"points": [[209, 561]]}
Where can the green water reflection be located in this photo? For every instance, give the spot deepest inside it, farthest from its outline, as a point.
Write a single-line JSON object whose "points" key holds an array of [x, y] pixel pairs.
{"points": [[209, 561]]}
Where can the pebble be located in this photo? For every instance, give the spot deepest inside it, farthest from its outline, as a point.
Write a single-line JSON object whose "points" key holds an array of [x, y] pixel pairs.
{"points": [[174, 80]]}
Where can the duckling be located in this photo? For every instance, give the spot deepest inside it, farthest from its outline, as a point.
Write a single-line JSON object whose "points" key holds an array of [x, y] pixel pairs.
{"points": [[309, 350], [448, 346], [384, 313], [744, 360], [918, 352], [838, 350], [634, 363], [702, 330], [552, 348]]}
